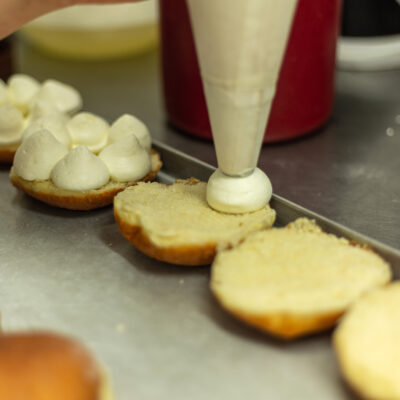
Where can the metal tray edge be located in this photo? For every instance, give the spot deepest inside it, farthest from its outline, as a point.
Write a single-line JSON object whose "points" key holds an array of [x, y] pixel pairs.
{"points": [[180, 166]]}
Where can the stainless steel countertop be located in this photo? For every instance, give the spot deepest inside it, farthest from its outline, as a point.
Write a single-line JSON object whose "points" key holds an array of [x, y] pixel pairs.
{"points": [[156, 327], [348, 171]]}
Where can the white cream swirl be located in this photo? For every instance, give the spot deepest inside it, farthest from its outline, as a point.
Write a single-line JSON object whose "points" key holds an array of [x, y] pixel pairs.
{"points": [[127, 124], [238, 195], [66, 98], [11, 124], [126, 160], [4, 98], [89, 130], [80, 170], [37, 155], [42, 108], [55, 124], [22, 89]]}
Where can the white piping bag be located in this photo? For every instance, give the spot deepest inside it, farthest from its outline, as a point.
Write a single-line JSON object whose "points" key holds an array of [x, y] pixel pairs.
{"points": [[240, 45]]}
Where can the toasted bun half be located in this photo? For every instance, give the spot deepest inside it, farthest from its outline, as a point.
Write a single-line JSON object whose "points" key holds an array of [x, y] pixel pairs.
{"points": [[7, 153], [294, 281], [173, 223], [49, 193], [367, 344], [45, 366]]}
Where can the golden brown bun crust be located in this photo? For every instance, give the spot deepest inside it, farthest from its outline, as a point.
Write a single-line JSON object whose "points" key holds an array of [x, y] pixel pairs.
{"points": [[43, 366], [7, 154], [74, 200], [181, 255], [191, 243], [285, 326]]}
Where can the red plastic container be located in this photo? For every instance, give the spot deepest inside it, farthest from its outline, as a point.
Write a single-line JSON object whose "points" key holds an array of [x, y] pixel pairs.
{"points": [[304, 95]]}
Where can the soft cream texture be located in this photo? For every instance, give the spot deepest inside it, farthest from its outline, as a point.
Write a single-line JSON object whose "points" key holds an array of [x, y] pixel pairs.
{"points": [[298, 270], [42, 108], [11, 124], [126, 159], [80, 170], [55, 124], [22, 89], [178, 214], [89, 130], [66, 98], [3, 93], [367, 344], [238, 194], [37, 155], [127, 124]]}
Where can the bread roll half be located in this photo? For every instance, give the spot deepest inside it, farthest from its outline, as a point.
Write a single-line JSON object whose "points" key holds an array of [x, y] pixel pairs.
{"points": [[367, 344], [46, 366], [173, 223], [49, 193], [294, 281]]}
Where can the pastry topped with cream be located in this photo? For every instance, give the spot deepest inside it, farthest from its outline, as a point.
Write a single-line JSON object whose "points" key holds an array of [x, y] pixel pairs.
{"points": [[174, 224], [58, 163], [66, 98], [24, 101], [80, 170], [90, 130], [126, 159], [55, 123], [127, 124], [12, 123], [37, 155], [22, 89]]}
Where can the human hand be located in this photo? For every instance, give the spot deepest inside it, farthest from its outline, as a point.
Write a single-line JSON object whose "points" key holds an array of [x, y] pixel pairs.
{"points": [[15, 13]]}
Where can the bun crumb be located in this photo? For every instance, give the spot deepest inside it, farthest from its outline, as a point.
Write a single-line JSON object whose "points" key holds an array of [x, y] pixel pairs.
{"points": [[294, 281]]}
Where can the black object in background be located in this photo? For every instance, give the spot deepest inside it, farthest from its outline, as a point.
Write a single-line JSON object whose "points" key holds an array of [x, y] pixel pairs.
{"points": [[370, 17], [6, 58]]}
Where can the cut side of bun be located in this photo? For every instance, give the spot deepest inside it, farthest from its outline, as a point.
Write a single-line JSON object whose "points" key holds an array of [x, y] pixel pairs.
{"points": [[367, 344], [7, 153], [46, 366], [174, 224], [49, 193], [294, 281]]}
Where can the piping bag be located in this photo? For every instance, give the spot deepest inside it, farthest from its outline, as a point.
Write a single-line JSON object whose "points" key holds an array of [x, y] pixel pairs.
{"points": [[240, 46]]}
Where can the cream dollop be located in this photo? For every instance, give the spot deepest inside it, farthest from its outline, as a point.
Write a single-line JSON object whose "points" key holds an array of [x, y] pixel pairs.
{"points": [[37, 155], [41, 108], [80, 170], [66, 98], [89, 130], [22, 89], [3, 93], [126, 159], [237, 195], [55, 124], [11, 124], [127, 124]]}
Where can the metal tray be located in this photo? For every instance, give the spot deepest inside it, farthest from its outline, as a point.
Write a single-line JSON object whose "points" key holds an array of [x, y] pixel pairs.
{"points": [[178, 165], [155, 326]]}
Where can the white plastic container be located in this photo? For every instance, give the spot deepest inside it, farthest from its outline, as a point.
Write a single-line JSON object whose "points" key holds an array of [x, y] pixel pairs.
{"points": [[94, 32]]}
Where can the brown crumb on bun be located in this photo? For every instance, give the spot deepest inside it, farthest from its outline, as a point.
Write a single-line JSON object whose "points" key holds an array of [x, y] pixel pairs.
{"points": [[174, 224], [294, 281]]}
